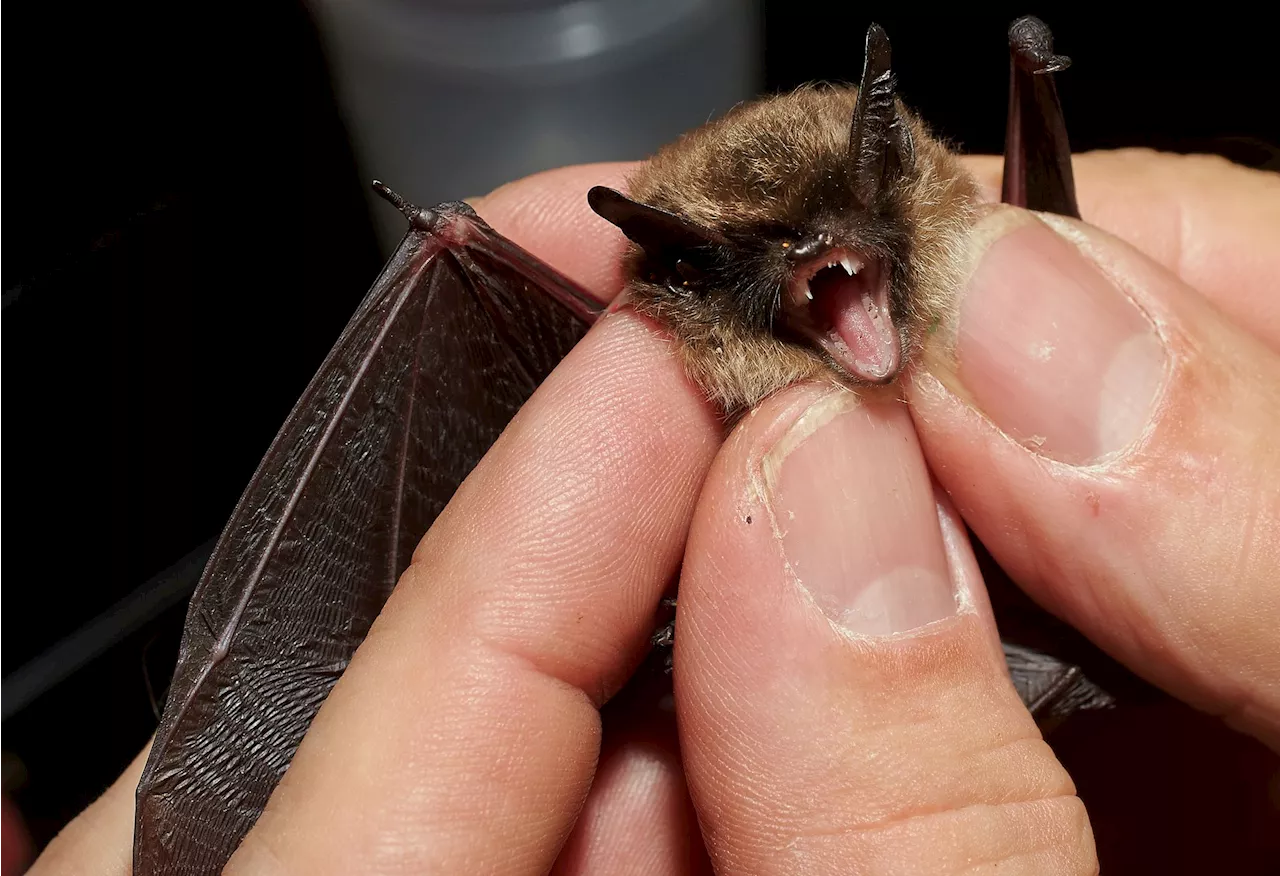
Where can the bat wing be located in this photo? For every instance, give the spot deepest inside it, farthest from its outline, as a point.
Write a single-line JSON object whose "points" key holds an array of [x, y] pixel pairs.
{"points": [[1041, 652], [455, 335]]}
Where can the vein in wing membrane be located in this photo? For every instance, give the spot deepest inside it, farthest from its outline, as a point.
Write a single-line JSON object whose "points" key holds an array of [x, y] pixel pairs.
{"points": [[439, 356]]}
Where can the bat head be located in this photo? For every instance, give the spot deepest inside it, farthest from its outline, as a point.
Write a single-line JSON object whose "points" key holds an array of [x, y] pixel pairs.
{"points": [[814, 233]]}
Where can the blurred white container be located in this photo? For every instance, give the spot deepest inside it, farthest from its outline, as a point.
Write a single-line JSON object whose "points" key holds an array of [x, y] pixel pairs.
{"points": [[447, 99]]}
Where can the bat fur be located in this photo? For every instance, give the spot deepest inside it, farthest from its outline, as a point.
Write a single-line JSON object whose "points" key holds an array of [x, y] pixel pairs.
{"points": [[770, 173]]}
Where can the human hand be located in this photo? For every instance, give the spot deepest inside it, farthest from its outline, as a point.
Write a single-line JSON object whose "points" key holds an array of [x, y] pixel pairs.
{"points": [[1158, 537], [465, 734]]}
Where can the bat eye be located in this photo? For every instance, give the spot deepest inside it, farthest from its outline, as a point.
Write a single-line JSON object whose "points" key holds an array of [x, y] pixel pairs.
{"points": [[688, 273]]}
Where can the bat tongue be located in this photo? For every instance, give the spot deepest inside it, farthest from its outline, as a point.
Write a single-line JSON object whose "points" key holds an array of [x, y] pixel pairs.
{"points": [[857, 307]]}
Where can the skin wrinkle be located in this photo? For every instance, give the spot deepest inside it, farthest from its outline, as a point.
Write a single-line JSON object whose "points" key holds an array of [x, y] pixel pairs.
{"points": [[496, 630], [1082, 849], [802, 850], [627, 653], [499, 768], [962, 777], [885, 824]]}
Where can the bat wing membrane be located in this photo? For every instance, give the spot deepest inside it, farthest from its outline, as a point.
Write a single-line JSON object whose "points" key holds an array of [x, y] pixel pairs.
{"points": [[453, 338]]}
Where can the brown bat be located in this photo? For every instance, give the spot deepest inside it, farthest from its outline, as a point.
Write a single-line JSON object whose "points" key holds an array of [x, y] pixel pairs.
{"points": [[814, 234]]}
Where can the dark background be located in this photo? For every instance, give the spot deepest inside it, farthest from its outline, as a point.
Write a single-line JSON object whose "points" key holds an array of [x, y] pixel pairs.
{"points": [[186, 233]]}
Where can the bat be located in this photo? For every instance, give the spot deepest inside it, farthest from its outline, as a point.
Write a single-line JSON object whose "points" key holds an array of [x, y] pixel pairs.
{"points": [[808, 235]]}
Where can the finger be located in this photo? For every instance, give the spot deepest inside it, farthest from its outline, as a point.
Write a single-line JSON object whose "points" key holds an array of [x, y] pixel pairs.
{"points": [[464, 734], [1109, 436], [1211, 222], [100, 839], [638, 819], [843, 701]]}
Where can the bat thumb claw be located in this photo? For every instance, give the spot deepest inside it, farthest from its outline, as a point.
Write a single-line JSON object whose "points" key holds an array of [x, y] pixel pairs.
{"points": [[416, 215]]}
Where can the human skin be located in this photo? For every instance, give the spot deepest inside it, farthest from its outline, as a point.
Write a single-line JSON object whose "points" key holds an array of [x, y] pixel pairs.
{"points": [[841, 698]]}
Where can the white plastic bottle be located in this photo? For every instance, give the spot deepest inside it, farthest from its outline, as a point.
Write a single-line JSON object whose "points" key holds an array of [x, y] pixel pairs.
{"points": [[447, 99]]}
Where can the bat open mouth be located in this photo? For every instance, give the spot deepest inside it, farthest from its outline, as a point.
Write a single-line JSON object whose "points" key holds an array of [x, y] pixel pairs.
{"points": [[840, 301]]}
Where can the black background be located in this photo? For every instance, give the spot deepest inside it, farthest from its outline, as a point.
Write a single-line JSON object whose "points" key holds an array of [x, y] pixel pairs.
{"points": [[186, 234]]}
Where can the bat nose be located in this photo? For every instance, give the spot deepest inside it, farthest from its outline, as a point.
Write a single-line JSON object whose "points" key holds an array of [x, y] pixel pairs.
{"points": [[809, 246]]}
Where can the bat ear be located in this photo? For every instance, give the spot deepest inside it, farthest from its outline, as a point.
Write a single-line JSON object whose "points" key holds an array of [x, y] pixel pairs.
{"points": [[665, 237], [1031, 46], [880, 145], [1037, 151]]}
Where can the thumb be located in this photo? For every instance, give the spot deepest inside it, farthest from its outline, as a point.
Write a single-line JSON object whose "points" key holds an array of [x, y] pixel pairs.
{"points": [[1111, 439], [842, 696]]}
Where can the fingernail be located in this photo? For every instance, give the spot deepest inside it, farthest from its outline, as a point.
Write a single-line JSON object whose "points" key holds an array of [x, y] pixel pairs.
{"points": [[1049, 348], [856, 516]]}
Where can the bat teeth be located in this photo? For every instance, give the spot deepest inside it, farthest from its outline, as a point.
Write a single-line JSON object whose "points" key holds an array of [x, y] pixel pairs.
{"points": [[799, 291], [847, 264]]}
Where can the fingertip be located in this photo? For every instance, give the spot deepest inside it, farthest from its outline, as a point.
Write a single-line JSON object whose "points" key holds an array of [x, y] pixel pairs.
{"points": [[826, 698]]}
